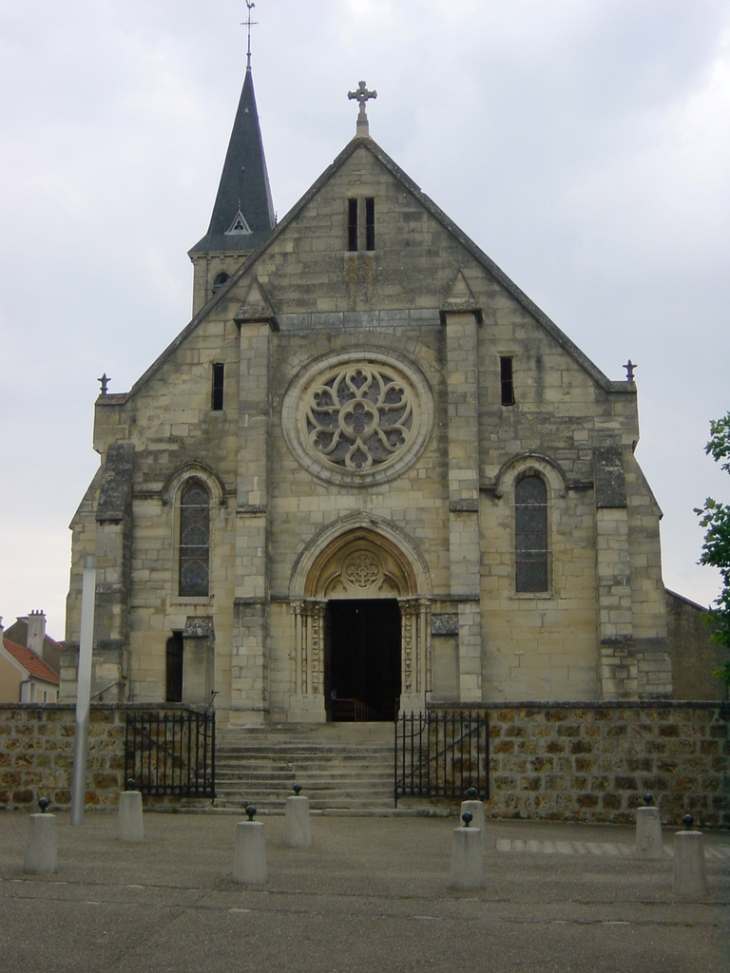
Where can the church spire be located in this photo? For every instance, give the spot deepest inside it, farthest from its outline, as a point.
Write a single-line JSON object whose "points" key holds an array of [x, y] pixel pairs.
{"points": [[243, 213]]}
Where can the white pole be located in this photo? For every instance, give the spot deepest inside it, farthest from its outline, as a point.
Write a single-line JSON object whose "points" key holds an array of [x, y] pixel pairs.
{"points": [[83, 692]]}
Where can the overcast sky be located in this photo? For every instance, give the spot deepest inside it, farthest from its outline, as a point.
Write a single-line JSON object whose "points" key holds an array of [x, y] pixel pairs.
{"points": [[583, 144]]}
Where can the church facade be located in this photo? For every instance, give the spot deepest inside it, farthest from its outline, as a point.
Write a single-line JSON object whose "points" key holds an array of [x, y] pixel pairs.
{"points": [[368, 475]]}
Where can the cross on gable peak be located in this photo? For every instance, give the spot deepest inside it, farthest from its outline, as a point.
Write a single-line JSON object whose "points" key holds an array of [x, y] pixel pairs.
{"points": [[361, 95]]}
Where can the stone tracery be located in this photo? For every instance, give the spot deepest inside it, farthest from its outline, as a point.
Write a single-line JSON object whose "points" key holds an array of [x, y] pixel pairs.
{"points": [[358, 417]]}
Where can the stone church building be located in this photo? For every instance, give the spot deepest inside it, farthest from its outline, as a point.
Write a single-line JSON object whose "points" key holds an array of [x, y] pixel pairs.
{"points": [[368, 475]]}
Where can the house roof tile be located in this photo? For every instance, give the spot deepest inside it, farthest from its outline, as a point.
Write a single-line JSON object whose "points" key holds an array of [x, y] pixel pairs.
{"points": [[33, 665]]}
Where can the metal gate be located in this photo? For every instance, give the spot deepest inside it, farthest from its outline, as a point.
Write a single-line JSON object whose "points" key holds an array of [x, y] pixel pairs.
{"points": [[441, 753], [171, 752]]}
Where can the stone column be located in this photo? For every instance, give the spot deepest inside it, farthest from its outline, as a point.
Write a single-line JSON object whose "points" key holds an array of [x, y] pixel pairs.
{"points": [[464, 548], [249, 659], [415, 669], [307, 704]]}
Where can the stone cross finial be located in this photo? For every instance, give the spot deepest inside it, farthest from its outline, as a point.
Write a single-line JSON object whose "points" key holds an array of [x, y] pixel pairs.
{"points": [[361, 96], [630, 368], [104, 383]]}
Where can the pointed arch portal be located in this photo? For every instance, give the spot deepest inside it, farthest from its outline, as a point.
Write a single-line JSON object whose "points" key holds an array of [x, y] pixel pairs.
{"points": [[361, 627]]}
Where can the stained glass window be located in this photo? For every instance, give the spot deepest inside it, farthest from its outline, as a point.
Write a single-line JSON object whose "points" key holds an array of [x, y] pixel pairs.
{"points": [[531, 553], [194, 539]]}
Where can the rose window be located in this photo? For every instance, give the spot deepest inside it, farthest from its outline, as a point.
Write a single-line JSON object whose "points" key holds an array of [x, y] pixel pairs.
{"points": [[359, 417]]}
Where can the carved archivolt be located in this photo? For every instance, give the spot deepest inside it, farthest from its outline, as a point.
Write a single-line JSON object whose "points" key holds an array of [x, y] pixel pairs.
{"points": [[360, 531], [358, 418], [360, 565]]}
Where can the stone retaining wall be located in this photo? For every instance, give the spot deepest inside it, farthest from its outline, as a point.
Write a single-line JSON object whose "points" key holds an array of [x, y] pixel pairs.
{"points": [[594, 761], [37, 749], [37, 752], [577, 761]]}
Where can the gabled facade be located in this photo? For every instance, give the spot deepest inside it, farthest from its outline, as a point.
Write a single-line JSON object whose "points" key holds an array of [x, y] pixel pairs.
{"points": [[24, 676], [370, 473], [30, 631]]}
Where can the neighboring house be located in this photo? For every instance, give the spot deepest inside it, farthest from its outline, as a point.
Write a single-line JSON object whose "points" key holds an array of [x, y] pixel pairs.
{"points": [[24, 676], [30, 630]]}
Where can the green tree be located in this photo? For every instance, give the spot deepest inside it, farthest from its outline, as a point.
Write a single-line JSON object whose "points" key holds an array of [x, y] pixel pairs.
{"points": [[715, 518]]}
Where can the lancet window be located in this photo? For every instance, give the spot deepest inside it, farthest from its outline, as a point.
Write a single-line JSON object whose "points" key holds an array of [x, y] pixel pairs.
{"points": [[531, 534], [194, 540]]}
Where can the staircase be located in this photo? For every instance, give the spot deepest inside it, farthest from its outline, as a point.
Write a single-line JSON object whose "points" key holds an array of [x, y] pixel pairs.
{"points": [[341, 766]]}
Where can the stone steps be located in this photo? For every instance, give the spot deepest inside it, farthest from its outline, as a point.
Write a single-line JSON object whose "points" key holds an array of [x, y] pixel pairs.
{"points": [[346, 767]]}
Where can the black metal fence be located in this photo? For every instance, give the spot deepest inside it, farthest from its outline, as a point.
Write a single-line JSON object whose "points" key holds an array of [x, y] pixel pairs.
{"points": [[441, 753], [171, 752]]}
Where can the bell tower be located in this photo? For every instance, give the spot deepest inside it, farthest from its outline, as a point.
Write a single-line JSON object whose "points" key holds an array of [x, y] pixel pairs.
{"points": [[243, 213]]}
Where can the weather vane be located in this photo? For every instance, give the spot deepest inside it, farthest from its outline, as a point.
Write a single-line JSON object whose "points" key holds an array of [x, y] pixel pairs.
{"points": [[248, 23]]}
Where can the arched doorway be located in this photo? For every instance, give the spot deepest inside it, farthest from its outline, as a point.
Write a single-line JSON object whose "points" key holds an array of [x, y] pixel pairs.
{"points": [[361, 626], [362, 665]]}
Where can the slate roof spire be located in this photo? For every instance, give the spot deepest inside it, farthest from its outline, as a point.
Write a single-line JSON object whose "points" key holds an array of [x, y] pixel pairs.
{"points": [[243, 214]]}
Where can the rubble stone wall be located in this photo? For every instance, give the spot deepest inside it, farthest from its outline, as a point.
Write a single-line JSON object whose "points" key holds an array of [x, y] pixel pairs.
{"points": [[595, 761], [580, 762], [37, 753]]}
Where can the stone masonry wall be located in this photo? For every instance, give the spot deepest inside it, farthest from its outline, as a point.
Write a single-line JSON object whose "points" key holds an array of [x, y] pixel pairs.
{"points": [[37, 752], [594, 762], [581, 762]]}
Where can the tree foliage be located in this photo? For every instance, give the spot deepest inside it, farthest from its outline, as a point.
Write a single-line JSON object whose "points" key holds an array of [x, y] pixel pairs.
{"points": [[715, 518]]}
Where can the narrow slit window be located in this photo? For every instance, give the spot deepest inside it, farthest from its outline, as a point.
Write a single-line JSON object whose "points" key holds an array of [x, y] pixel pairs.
{"points": [[508, 387], [370, 223], [352, 225], [194, 540], [216, 398], [531, 535]]}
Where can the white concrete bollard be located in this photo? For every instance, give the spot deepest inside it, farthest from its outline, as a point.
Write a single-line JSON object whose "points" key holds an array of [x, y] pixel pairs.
{"points": [[467, 858], [297, 833], [41, 857], [690, 880], [476, 809], [249, 860], [648, 833], [130, 824]]}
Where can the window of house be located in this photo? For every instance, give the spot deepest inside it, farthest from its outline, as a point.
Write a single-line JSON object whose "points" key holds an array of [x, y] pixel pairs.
{"points": [[216, 398], [194, 539], [531, 534], [508, 388]]}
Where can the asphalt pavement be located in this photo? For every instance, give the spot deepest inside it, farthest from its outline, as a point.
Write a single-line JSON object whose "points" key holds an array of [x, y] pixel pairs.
{"points": [[371, 895]]}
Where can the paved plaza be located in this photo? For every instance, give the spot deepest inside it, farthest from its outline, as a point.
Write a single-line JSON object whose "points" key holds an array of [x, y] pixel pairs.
{"points": [[371, 894]]}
